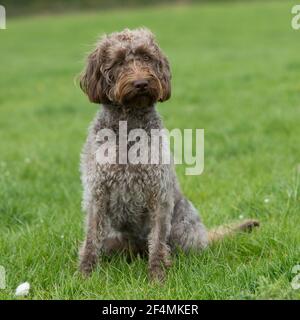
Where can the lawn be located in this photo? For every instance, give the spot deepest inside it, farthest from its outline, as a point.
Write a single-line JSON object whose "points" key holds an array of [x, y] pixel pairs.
{"points": [[235, 73]]}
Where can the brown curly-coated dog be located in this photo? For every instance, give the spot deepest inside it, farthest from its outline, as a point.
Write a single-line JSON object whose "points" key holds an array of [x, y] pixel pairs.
{"points": [[134, 207]]}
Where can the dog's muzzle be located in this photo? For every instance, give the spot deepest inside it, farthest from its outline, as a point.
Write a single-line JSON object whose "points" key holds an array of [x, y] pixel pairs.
{"points": [[137, 90]]}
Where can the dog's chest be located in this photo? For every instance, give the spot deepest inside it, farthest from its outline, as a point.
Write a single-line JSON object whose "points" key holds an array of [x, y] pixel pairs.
{"points": [[134, 192]]}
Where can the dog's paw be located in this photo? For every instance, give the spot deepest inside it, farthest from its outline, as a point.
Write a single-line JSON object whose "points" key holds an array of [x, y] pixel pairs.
{"points": [[167, 263], [86, 267], [157, 274], [85, 270]]}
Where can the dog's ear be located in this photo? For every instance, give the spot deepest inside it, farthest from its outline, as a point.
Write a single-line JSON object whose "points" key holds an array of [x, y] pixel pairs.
{"points": [[164, 71], [165, 78], [92, 81]]}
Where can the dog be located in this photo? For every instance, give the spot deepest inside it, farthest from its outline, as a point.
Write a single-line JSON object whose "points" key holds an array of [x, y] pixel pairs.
{"points": [[138, 208]]}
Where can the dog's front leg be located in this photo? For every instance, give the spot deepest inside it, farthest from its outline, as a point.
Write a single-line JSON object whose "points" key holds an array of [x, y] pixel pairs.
{"points": [[159, 251], [95, 236]]}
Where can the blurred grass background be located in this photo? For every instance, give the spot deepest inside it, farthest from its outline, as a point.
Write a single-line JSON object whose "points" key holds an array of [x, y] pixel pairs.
{"points": [[235, 73], [17, 7]]}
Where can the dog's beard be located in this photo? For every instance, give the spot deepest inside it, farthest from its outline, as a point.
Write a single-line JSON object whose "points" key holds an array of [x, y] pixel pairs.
{"points": [[126, 95], [135, 99]]}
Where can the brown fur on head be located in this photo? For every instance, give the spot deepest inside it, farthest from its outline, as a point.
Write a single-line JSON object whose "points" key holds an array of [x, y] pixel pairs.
{"points": [[120, 62]]}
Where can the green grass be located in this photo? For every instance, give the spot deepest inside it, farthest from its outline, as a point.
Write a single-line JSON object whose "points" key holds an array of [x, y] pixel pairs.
{"points": [[235, 74]]}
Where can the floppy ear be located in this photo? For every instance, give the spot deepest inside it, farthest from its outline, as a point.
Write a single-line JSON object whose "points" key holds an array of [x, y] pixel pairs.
{"points": [[92, 81], [163, 69], [165, 78]]}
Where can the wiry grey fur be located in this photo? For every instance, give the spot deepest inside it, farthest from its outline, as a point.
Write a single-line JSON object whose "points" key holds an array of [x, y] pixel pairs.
{"points": [[134, 207]]}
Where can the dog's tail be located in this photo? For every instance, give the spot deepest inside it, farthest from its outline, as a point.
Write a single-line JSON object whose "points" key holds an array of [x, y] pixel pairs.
{"points": [[227, 230]]}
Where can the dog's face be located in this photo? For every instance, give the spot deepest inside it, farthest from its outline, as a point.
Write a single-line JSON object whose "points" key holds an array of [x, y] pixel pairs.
{"points": [[127, 68]]}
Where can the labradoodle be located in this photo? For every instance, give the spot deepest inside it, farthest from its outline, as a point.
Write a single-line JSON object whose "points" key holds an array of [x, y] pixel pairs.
{"points": [[137, 208]]}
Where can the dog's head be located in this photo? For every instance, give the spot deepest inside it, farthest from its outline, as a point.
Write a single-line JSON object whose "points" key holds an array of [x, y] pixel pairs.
{"points": [[127, 68]]}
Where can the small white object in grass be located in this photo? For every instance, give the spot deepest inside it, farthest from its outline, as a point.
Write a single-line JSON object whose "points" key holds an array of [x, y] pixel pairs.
{"points": [[23, 289], [267, 200], [241, 217], [27, 160]]}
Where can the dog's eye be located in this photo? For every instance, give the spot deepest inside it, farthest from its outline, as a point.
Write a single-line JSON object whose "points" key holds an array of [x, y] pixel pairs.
{"points": [[146, 57]]}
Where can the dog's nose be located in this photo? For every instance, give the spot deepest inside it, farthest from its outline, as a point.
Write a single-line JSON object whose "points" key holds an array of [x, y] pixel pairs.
{"points": [[141, 85]]}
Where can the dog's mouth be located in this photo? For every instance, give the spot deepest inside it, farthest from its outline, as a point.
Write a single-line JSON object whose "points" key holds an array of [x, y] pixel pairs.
{"points": [[139, 99]]}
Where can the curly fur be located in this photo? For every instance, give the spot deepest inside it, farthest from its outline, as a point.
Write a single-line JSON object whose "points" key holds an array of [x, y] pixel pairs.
{"points": [[138, 208]]}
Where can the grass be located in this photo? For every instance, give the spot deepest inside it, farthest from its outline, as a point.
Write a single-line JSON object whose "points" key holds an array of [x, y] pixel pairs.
{"points": [[235, 74]]}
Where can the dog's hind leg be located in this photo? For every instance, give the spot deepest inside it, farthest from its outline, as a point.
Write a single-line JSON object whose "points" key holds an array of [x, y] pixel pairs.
{"points": [[188, 232]]}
